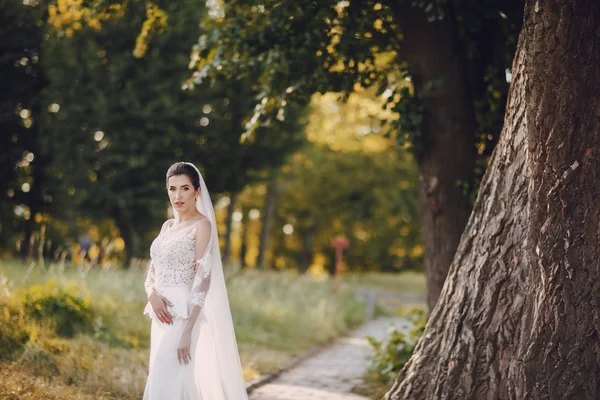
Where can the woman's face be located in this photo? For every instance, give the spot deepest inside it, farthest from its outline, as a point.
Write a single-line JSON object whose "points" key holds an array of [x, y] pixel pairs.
{"points": [[182, 194]]}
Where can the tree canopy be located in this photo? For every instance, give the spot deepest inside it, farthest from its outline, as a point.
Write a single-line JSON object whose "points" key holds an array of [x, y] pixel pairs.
{"points": [[441, 65], [109, 122], [307, 47]]}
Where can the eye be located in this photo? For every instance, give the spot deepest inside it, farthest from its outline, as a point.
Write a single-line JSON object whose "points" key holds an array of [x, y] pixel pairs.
{"points": [[186, 189]]}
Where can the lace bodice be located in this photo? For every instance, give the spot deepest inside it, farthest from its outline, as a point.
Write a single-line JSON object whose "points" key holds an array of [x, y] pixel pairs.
{"points": [[175, 262]]}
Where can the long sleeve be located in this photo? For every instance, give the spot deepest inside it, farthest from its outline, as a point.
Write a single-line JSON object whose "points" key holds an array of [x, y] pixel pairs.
{"points": [[149, 283], [201, 283]]}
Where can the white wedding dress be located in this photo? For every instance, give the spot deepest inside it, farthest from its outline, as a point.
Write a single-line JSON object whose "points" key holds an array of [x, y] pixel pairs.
{"points": [[188, 272]]}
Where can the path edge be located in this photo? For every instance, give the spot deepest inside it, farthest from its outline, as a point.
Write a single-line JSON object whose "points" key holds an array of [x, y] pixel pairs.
{"points": [[262, 380]]}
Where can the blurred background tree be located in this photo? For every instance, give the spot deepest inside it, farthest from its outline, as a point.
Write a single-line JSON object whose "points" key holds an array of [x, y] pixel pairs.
{"points": [[120, 105], [348, 180], [442, 66], [24, 182], [109, 135], [114, 133]]}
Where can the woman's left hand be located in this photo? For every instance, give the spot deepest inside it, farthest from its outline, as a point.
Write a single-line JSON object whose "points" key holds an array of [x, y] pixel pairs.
{"points": [[183, 349]]}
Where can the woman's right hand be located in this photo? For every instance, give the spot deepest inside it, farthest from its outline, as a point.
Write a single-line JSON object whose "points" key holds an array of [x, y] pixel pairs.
{"points": [[159, 305]]}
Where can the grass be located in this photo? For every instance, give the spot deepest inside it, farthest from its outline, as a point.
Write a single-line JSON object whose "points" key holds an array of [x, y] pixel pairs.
{"points": [[277, 316], [407, 283], [396, 293], [280, 315]]}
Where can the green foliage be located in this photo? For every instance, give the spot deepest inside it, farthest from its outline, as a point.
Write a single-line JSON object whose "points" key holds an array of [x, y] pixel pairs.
{"points": [[123, 120], [371, 198], [396, 349], [434, 9], [301, 48], [309, 47], [410, 122], [67, 308], [13, 330], [24, 181], [232, 160]]}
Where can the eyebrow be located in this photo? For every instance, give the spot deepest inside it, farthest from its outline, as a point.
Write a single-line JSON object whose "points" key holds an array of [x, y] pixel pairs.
{"points": [[184, 185]]}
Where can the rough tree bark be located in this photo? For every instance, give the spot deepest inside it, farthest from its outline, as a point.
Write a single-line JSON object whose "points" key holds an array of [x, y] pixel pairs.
{"points": [[518, 317], [433, 51]]}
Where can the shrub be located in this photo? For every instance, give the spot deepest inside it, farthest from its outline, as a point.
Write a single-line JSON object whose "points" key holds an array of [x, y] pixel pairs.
{"points": [[13, 331], [39, 361], [66, 307], [396, 348]]}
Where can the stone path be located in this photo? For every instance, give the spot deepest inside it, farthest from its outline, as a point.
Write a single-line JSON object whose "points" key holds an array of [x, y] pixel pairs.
{"points": [[330, 374]]}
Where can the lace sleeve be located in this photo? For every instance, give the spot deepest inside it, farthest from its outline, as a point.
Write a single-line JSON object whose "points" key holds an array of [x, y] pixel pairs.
{"points": [[149, 283], [202, 281], [203, 264]]}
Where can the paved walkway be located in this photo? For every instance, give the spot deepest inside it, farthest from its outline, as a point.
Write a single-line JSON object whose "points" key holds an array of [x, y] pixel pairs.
{"points": [[330, 374]]}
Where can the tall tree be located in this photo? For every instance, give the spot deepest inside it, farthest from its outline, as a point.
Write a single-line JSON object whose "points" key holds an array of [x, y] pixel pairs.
{"points": [[124, 119], [454, 52], [518, 315], [24, 180]]}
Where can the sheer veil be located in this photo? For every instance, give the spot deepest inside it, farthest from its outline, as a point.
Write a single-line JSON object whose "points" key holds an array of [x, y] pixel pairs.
{"points": [[218, 313]]}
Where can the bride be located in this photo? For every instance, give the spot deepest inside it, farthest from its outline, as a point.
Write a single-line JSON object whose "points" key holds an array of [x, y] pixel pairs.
{"points": [[193, 352]]}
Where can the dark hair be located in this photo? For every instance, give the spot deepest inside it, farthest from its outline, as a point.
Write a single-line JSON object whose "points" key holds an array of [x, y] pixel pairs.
{"points": [[183, 168]]}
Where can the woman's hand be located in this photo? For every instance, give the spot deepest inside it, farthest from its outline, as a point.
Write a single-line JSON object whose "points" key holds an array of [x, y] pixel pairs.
{"points": [[159, 305], [183, 349]]}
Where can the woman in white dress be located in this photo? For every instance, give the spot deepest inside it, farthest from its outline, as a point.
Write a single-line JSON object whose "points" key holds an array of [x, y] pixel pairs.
{"points": [[193, 351]]}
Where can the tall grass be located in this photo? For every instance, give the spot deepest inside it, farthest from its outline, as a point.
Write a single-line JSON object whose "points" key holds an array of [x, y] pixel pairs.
{"points": [[279, 315], [276, 315]]}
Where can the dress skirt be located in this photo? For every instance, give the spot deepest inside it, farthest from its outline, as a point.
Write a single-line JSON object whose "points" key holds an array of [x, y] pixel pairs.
{"points": [[167, 378]]}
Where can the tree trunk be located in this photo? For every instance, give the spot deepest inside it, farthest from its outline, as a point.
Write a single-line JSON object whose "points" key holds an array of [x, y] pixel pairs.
{"points": [[244, 237], [228, 229], [35, 198], [267, 217], [26, 248], [432, 51], [518, 315], [130, 237], [306, 255]]}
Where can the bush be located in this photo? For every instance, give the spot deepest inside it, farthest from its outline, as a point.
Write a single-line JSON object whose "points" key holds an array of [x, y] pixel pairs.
{"points": [[38, 360], [395, 350], [67, 308], [13, 331]]}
